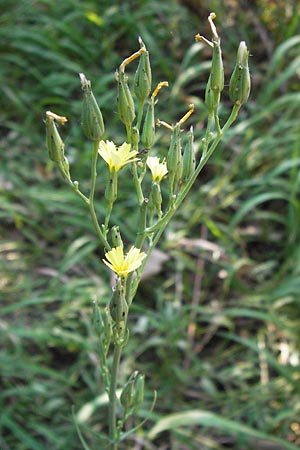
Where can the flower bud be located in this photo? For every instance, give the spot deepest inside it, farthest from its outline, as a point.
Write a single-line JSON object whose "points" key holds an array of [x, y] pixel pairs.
{"points": [[149, 126], [54, 142], [212, 98], [126, 397], [217, 69], [143, 77], [189, 159], [64, 169], [155, 198], [111, 190], [118, 306], [135, 138], [174, 159], [240, 82], [92, 120], [126, 108], [139, 389], [116, 237]]}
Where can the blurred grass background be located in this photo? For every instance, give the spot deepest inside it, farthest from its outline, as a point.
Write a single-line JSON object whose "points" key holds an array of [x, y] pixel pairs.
{"points": [[217, 330]]}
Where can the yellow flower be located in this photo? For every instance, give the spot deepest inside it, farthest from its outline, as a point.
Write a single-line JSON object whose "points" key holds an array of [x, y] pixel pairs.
{"points": [[115, 157], [158, 169], [123, 265]]}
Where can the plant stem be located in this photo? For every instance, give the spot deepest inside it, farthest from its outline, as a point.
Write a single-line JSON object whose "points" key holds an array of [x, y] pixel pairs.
{"points": [[113, 398], [91, 197]]}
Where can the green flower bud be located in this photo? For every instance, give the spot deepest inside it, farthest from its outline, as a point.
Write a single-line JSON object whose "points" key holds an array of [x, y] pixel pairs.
{"points": [[217, 69], [135, 138], [189, 159], [126, 108], [116, 237], [240, 82], [149, 126], [107, 326], [139, 389], [54, 142], [143, 77], [64, 169], [212, 98], [92, 120], [174, 159], [155, 198], [118, 306], [111, 190], [126, 397]]}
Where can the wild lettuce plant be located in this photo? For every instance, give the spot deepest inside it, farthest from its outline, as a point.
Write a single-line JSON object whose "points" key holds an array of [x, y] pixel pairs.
{"points": [[178, 171]]}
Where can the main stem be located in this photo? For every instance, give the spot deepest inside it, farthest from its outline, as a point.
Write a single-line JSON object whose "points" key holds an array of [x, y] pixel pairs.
{"points": [[112, 417]]}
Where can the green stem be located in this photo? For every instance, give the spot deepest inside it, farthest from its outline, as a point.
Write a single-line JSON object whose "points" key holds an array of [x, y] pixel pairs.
{"points": [[94, 170], [92, 194], [137, 185], [112, 419]]}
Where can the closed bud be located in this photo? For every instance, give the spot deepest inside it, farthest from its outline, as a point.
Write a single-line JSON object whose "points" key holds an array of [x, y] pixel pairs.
{"points": [[106, 318], [126, 397], [143, 77], [118, 306], [54, 142], [92, 120], [189, 159], [240, 82], [217, 69], [139, 389], [126, 108], [64, 169], [111, 190], [135, 138], [116, 237], [156, 198], [174, 159], [149, 126], [212, 98]]}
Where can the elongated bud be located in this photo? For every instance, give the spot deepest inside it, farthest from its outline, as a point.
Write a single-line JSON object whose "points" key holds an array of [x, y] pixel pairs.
{"points": [[148, 132], [174, 159], [111, 190], [155, 198], [116, 237], [126, 108], [139, 389], [240, 82], [135, 138], [54, 142], [143, 77], [106, 318], [217, 69], [118, 306], [126, 397], [92, 120], [189, 159], [212, 98]]}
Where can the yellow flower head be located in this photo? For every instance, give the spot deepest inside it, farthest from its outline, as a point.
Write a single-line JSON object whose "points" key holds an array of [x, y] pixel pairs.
{"points": [[123, 265], [158, 169], [115, 157]]}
